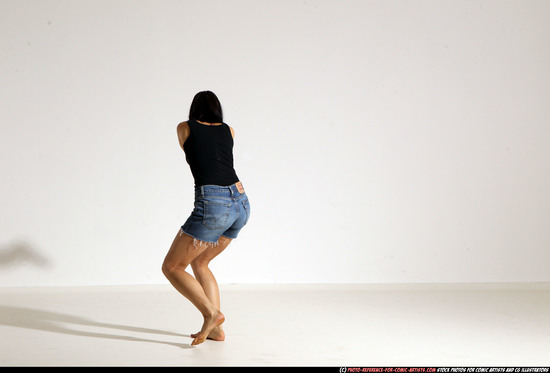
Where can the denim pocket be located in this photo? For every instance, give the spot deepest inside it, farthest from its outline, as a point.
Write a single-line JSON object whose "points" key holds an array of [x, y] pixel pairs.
{"points": [[215, 215]]}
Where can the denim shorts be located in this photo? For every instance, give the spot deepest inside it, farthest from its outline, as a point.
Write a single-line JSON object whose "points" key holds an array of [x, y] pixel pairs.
{"points": [[219, 211]]}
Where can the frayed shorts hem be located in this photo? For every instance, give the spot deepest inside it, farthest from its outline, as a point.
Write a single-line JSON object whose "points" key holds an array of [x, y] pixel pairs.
{"points": [[198, 242], [195, 237]]}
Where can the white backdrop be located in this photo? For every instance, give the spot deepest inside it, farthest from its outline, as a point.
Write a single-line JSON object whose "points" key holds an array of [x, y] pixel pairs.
{"points": [[378, 141]]}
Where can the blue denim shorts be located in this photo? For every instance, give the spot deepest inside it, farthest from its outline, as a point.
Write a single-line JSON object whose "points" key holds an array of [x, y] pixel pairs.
{"points": [[219, 211]]}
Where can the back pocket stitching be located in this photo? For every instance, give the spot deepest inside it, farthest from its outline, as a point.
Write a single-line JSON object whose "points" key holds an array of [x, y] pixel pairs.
{"points": [[222, 218]]}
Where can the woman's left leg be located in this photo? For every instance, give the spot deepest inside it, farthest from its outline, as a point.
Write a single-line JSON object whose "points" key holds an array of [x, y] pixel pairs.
{"points": [[181, 254]]}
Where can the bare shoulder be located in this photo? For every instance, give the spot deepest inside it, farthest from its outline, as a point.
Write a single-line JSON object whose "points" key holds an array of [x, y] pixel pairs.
{"points": [[183, 132], [183, 127], [232, 131]]}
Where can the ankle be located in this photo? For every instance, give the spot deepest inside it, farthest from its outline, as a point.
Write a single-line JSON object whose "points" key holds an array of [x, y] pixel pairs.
{"points": [[210, 313]]}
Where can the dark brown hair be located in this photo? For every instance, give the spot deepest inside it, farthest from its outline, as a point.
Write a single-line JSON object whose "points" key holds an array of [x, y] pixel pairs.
{"points": [[206, 107]]}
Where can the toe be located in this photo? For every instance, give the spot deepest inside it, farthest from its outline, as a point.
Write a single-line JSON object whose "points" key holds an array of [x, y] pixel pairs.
{"points": [[197, 341]]}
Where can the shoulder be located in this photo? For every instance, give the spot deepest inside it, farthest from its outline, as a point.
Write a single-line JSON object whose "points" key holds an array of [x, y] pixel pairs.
{"points": [[183, 126], [232, 130], [183, 132], [183, 129]]}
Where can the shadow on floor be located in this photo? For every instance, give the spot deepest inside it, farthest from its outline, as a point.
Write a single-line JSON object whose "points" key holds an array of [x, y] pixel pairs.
{"points": [[57, 322]]}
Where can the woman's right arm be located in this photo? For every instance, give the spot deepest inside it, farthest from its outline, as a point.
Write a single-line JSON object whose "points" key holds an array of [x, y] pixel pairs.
{"points": [[183, 133]]}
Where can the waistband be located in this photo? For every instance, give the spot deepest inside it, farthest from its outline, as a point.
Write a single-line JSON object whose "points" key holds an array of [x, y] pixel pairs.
{"points": [[230, 190]]}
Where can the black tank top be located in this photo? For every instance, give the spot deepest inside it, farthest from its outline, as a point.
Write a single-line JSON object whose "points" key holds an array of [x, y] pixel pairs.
{"points": [[209, 152]]}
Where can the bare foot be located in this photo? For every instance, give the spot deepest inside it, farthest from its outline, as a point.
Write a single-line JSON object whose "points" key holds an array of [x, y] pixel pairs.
{"points": [[209, 324], [217, 334]]}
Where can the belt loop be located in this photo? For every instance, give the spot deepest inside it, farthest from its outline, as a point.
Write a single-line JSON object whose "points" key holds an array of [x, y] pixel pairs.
{"points": [[231, 191], [202, 190]]}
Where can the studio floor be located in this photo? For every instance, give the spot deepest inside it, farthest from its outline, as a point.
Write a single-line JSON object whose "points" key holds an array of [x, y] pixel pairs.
{"points": [[280, 325]]}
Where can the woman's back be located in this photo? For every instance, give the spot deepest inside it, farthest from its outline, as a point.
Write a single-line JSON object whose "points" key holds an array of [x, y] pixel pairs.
{"points": [[209, 153]]}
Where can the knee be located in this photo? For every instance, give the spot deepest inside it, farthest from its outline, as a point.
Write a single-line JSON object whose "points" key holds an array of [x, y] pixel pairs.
{"points": [[198, 264], [166, 269], [169, 268]]}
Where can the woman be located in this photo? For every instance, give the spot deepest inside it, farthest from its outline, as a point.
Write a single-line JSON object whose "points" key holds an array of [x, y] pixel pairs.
{"points": [[221, 211]]}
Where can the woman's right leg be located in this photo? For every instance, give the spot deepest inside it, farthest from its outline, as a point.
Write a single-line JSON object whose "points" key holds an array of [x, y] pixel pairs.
{"points": [[206, 278]]}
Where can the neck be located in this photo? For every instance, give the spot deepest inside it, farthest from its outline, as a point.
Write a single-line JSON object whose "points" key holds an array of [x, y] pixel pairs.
{"points": [[209, 124]]}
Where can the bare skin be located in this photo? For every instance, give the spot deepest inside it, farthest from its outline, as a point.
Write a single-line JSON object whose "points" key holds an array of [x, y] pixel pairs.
{"points": [[208, 282], [201, 290], [182, 253]]}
